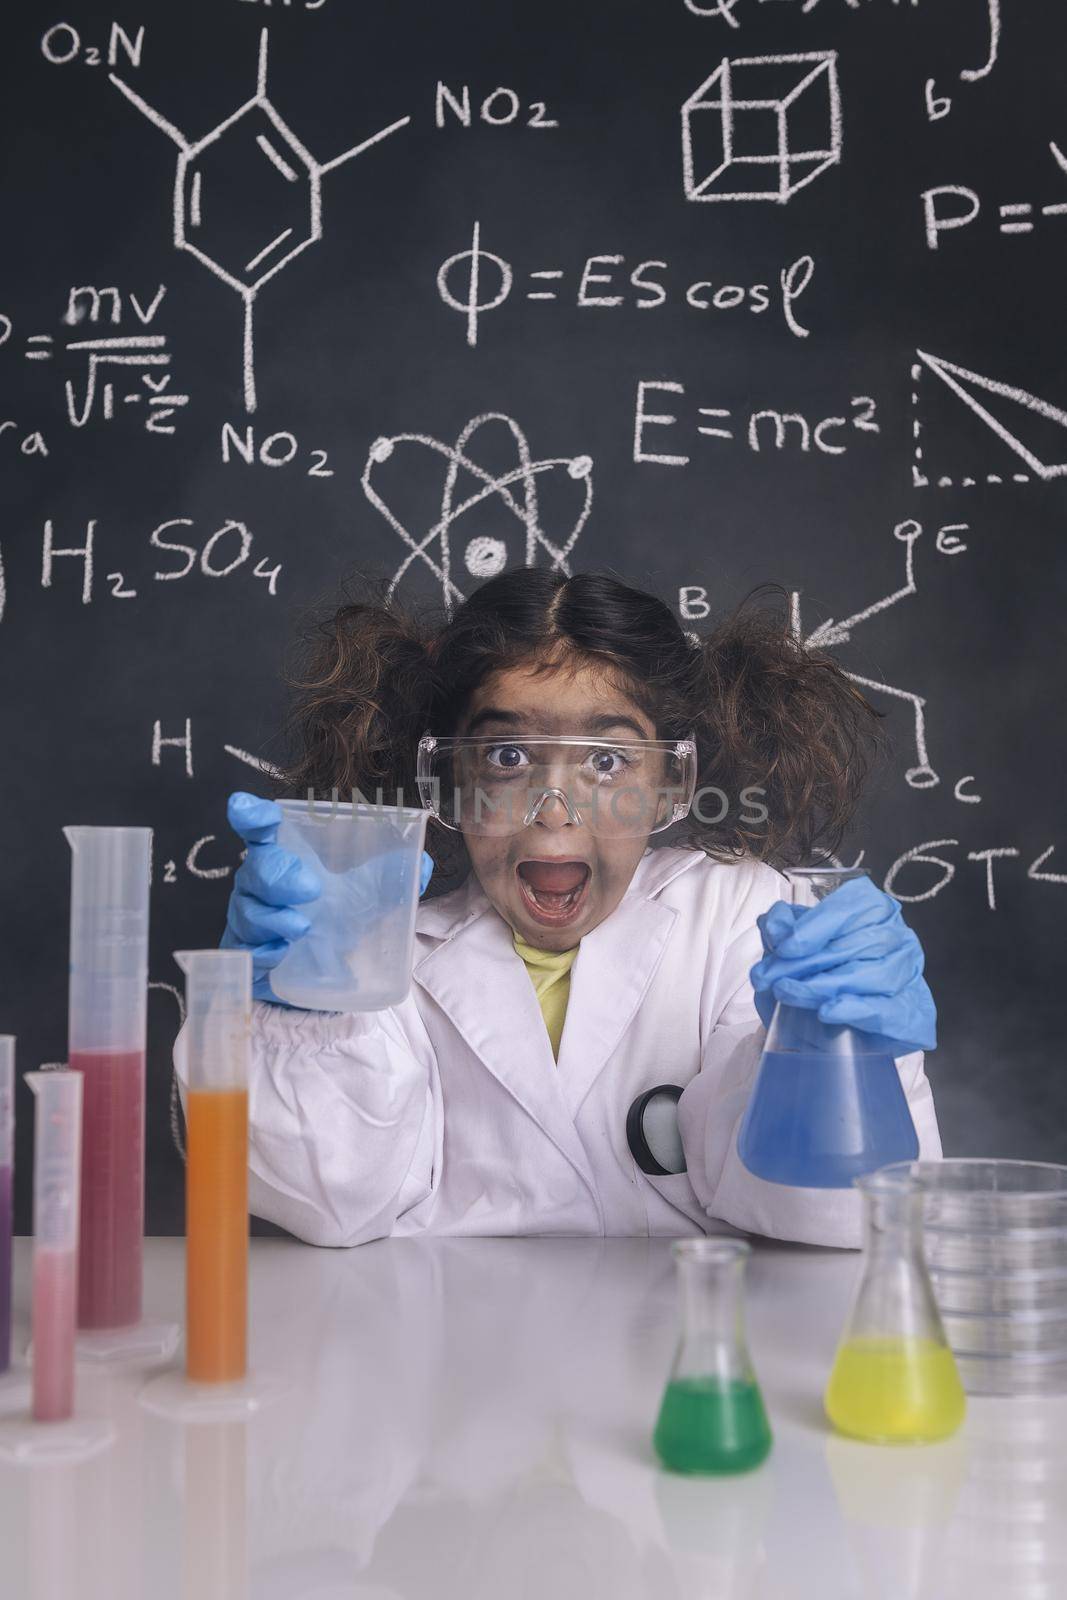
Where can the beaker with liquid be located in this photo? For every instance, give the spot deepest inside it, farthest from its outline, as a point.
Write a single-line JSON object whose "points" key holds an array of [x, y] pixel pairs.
{"points": [[894, 1379], [110, 875], [57, 1138], [827, 1104], [218, 991], [711, 1418], [357, 954]]}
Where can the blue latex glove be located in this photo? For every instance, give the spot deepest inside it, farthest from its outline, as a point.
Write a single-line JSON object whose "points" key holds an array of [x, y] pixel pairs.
{"points": [[853, 960], [268, 887]]}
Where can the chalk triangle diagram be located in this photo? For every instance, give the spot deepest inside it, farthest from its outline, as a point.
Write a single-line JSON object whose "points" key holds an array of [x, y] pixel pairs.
{"points": [[1011, 413]]}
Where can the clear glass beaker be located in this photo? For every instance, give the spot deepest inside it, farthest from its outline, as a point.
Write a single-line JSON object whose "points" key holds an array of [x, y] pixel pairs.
{"points": [[711, 1418], [828, 1104], [894, 1379], [357, 954], [995, 1246]]}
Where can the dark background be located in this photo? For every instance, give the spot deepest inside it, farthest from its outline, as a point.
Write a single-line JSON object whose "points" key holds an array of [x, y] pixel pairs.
{"points": [[353, 342]]}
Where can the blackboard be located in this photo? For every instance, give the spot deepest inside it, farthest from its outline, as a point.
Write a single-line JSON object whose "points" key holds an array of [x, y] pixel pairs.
{"points": [[830, 240]]}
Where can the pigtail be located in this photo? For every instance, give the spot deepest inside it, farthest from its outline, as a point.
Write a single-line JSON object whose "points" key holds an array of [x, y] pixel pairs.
{"points": [[785, 720], [361, 682]]}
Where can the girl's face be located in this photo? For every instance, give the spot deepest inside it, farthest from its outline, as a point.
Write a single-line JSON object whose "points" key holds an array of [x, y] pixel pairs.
{"points": [[554, 881]]}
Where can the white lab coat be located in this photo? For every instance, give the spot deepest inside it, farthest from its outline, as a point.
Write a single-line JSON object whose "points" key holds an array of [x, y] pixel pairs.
{"points": [[447, 1114]]}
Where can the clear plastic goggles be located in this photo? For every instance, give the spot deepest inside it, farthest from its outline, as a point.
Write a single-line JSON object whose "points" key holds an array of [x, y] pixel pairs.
{"points": [[495, 786]]}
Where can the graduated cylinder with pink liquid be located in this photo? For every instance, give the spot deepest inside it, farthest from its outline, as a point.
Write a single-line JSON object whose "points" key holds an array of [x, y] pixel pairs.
{"points": [[110, 878], [56, 1160]]}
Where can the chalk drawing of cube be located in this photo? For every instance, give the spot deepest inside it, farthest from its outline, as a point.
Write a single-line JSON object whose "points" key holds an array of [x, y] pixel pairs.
{"points": [[762, 127]]}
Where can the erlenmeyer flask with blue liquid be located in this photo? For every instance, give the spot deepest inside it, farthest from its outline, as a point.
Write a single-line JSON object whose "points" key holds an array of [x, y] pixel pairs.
{"points": [[828, 1104]]}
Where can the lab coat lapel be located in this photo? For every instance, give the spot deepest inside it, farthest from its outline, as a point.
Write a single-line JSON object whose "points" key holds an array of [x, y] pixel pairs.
{"points": [[611, 974], [614, 969], [477, 978]]}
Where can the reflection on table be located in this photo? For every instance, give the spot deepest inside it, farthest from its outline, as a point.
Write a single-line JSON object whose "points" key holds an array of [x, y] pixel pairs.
{"points": [[473, 1417]]}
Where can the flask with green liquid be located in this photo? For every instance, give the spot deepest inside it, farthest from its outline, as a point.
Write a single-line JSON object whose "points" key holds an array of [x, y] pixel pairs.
{"points": [[894, 1379], [711, 1418]]}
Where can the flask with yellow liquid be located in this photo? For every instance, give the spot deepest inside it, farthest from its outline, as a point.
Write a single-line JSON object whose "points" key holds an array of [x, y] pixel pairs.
{"points": [[894, 1379]]}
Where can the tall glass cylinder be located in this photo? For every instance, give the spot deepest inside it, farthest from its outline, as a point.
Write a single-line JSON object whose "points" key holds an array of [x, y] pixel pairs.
{"points": [[894, 1378], [827, 1104], [56, 1162], [711, 1418], [7, 1162], [219, 1002], [110, 879]]}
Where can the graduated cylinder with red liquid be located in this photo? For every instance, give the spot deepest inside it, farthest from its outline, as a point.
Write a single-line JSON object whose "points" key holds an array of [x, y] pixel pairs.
{"points": [[110, 878]]}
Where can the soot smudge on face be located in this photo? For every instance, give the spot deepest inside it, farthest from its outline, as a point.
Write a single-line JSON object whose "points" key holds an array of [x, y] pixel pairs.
{"points": [[561, 703]]}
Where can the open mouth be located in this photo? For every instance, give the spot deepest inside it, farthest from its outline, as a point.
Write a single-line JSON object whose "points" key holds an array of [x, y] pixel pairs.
{"points": [[554, 890]]}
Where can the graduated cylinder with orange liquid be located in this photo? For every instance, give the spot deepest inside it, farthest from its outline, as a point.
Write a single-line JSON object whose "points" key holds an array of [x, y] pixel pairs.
{"points": [[219, 1004]]}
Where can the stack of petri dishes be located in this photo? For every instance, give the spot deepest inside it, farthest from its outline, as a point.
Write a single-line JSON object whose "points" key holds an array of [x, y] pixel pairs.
{"points": [[995, 1240]]}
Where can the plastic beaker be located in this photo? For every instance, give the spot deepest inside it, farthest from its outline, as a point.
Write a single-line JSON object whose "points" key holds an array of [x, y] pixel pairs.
{"points": [[827, 1105], [110, 875], [56, 1190], [894, 1379], [218, 991], [711, 1418], [357, 954]]}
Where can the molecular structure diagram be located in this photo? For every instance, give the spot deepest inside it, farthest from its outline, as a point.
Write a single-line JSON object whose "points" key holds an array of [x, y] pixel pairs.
{"points": [[835, 632], [484, 555], [235, 185]]}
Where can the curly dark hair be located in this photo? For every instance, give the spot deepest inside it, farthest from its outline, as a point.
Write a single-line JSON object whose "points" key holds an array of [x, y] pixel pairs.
{"points": [[766, 712]]}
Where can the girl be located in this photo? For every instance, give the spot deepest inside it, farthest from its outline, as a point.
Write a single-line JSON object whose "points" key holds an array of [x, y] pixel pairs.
{"points": [[487, 1103]]}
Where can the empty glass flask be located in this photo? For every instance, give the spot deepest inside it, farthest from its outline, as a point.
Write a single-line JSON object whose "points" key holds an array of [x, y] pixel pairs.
{"points": [[711, 1418], [828, 1104], [894, 1379]]}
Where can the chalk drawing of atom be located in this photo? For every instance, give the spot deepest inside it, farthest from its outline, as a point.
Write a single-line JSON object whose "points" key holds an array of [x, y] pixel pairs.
{"points": [[497, 513]]}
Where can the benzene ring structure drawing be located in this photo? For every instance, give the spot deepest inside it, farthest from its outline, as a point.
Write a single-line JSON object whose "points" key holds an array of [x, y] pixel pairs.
{"points": [[484, 555], [235, 239]]}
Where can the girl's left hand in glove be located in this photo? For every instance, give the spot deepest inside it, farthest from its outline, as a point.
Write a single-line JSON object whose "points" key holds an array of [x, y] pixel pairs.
{"points": [[852, 959]]}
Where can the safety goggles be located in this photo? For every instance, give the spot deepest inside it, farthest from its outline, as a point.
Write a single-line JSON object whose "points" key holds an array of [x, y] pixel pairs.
{"points": [[493, 786]]}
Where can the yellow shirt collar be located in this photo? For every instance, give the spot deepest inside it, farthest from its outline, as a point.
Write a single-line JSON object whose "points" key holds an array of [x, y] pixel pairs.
{"points": [[550, 974]]}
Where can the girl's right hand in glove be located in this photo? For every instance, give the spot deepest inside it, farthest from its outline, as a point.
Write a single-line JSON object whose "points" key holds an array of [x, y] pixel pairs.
{"points": [[269, 885]]}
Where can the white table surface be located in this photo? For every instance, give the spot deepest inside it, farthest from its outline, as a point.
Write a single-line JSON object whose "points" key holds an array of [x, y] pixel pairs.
{"points": [[472, 1418]]}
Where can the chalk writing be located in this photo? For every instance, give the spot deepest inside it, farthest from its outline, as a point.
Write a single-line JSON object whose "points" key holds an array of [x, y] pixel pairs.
{"points": [[477, 281], [142, 356], [500, 108], [763, 430], [289, 193], [226, 550], [277, 449], [950, 207], [831, 632], [62, 43], [29, 444], [921, 855]]}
